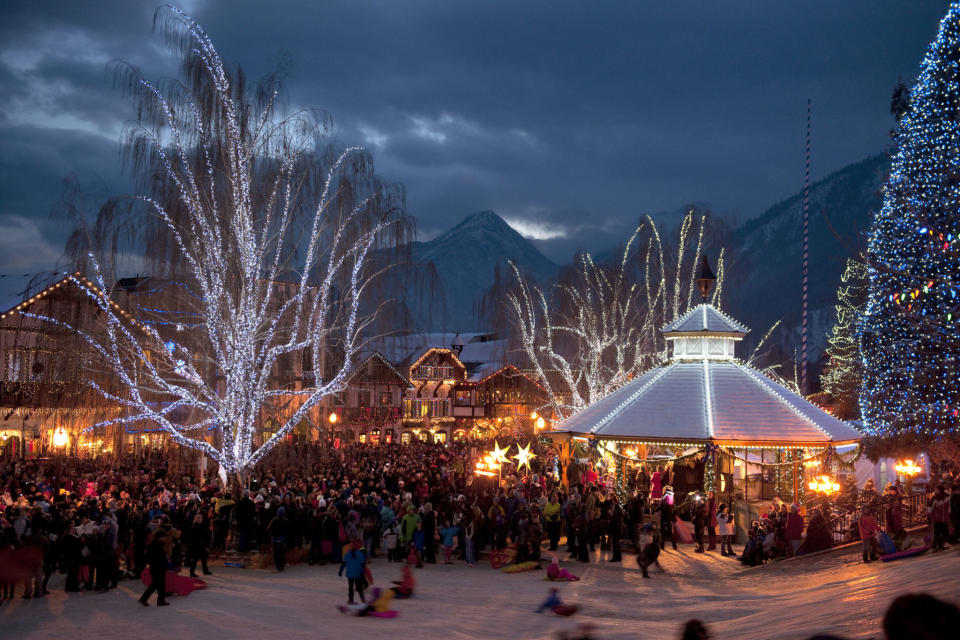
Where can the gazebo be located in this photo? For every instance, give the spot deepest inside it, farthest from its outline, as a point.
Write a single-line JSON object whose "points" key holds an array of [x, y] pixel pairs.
{"points": [[705, 405]]}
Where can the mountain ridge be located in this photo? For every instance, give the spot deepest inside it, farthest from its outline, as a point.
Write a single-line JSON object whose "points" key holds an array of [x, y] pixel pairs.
{"points": [[465, 257]]}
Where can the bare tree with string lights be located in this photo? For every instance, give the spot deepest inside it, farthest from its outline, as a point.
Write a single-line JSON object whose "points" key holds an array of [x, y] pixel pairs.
{"points": [[270, 237], [598, 327]]}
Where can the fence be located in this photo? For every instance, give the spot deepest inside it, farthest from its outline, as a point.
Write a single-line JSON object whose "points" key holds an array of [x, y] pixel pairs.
{"points": [[912, 510]]}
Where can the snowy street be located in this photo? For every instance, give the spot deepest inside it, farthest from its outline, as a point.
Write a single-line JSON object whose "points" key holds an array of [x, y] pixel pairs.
{"points": [[832, 593]]}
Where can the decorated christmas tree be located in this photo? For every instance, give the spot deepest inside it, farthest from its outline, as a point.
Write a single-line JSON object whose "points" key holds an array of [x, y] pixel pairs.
{"points": [[842, 376], [909, 332]]}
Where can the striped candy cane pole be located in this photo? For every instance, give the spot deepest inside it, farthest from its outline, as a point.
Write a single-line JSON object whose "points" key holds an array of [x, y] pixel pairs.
{"points": [[806, 259]]}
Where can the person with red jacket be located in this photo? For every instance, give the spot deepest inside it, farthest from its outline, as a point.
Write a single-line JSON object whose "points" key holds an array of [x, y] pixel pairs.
{"points": [[868, 533], [794, 529]]}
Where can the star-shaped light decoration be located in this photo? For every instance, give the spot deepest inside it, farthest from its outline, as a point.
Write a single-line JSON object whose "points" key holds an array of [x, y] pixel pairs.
{"points": [[524, 456], [498, 454]]}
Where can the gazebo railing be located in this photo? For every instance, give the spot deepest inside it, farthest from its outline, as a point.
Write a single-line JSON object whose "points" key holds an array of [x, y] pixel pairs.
{"points": [[913, 513]]}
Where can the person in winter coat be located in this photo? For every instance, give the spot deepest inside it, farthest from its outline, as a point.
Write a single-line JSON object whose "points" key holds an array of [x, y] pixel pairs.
{"points": [[699, 523], [615, 527], [955, 513], [447, 533], [429, 517], [157, 559], [580, 528], [868, 533], [469, 540], [725, 526], [408, 524], [938, 509], [278, 529], [246, 521], [656, 484], [552, 517], [649, 549], [355, 564], [794, 530], [712, 520], [198, 545], [666, 519], [106, 557], [419, 543]]}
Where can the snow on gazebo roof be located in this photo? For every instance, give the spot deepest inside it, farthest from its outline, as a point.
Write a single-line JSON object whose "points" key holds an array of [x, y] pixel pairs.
{"points": [[703, 394], [705, 317]]}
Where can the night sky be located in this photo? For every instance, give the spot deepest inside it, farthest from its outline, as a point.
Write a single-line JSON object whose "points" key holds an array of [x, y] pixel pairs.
{"points": [[570, 119]]}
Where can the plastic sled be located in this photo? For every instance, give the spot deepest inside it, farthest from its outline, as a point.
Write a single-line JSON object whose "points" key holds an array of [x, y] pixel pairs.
{"points": [[174, 583], [520, 566], [886, 543], [565, 610], [906, 553], [352, 609]]}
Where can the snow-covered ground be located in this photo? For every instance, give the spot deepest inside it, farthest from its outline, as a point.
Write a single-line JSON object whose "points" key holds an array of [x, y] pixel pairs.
{"points": [[795, 599]]}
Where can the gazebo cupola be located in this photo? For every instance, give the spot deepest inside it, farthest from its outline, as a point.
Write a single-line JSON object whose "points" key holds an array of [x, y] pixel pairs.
{"points": [[704, 332]]}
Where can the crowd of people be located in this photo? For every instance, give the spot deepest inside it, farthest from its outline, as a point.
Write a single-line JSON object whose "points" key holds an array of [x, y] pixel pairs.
{"points": [[102, 520]]}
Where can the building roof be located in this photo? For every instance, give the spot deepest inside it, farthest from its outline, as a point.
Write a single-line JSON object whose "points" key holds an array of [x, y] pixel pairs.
{"points": [[705, 317], [16, 288], [718, 400]]}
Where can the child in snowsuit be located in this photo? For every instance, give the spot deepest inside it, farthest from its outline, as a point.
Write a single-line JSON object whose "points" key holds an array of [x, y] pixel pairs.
{"points": [[553, 603], [419, 544], [448, 533], [404, 588], [554, 572], [649, 549], [355, 563]]}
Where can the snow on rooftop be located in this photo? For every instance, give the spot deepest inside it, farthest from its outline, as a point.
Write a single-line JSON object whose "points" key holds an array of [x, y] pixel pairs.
{"points": [[705, 317], [708, 399], [15, 288]]}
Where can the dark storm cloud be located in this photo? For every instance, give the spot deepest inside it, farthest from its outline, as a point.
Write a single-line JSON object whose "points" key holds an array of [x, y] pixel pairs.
{"points": [[569, 119]]}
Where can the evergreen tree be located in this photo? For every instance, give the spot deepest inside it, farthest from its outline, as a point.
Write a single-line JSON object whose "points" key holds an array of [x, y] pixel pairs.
{"points": [[842, 376], [909, 330]]}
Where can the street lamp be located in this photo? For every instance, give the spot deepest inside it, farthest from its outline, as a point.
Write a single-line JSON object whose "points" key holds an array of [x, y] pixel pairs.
{"points": [[909, 469], [60, 438], [332, 418], [824, 485]]}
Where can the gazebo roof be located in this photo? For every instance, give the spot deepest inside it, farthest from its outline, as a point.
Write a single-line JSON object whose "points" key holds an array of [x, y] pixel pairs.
{"points": [[708, 400], [704, 395], [705, 318]]}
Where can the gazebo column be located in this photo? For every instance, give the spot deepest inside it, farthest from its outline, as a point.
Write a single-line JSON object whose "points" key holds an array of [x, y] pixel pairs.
{"points": [[796, 479], [564, 461], [623, 467]]}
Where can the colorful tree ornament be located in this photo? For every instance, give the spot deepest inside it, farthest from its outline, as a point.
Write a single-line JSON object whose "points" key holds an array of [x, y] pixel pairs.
{"points": [[908, 336]]}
